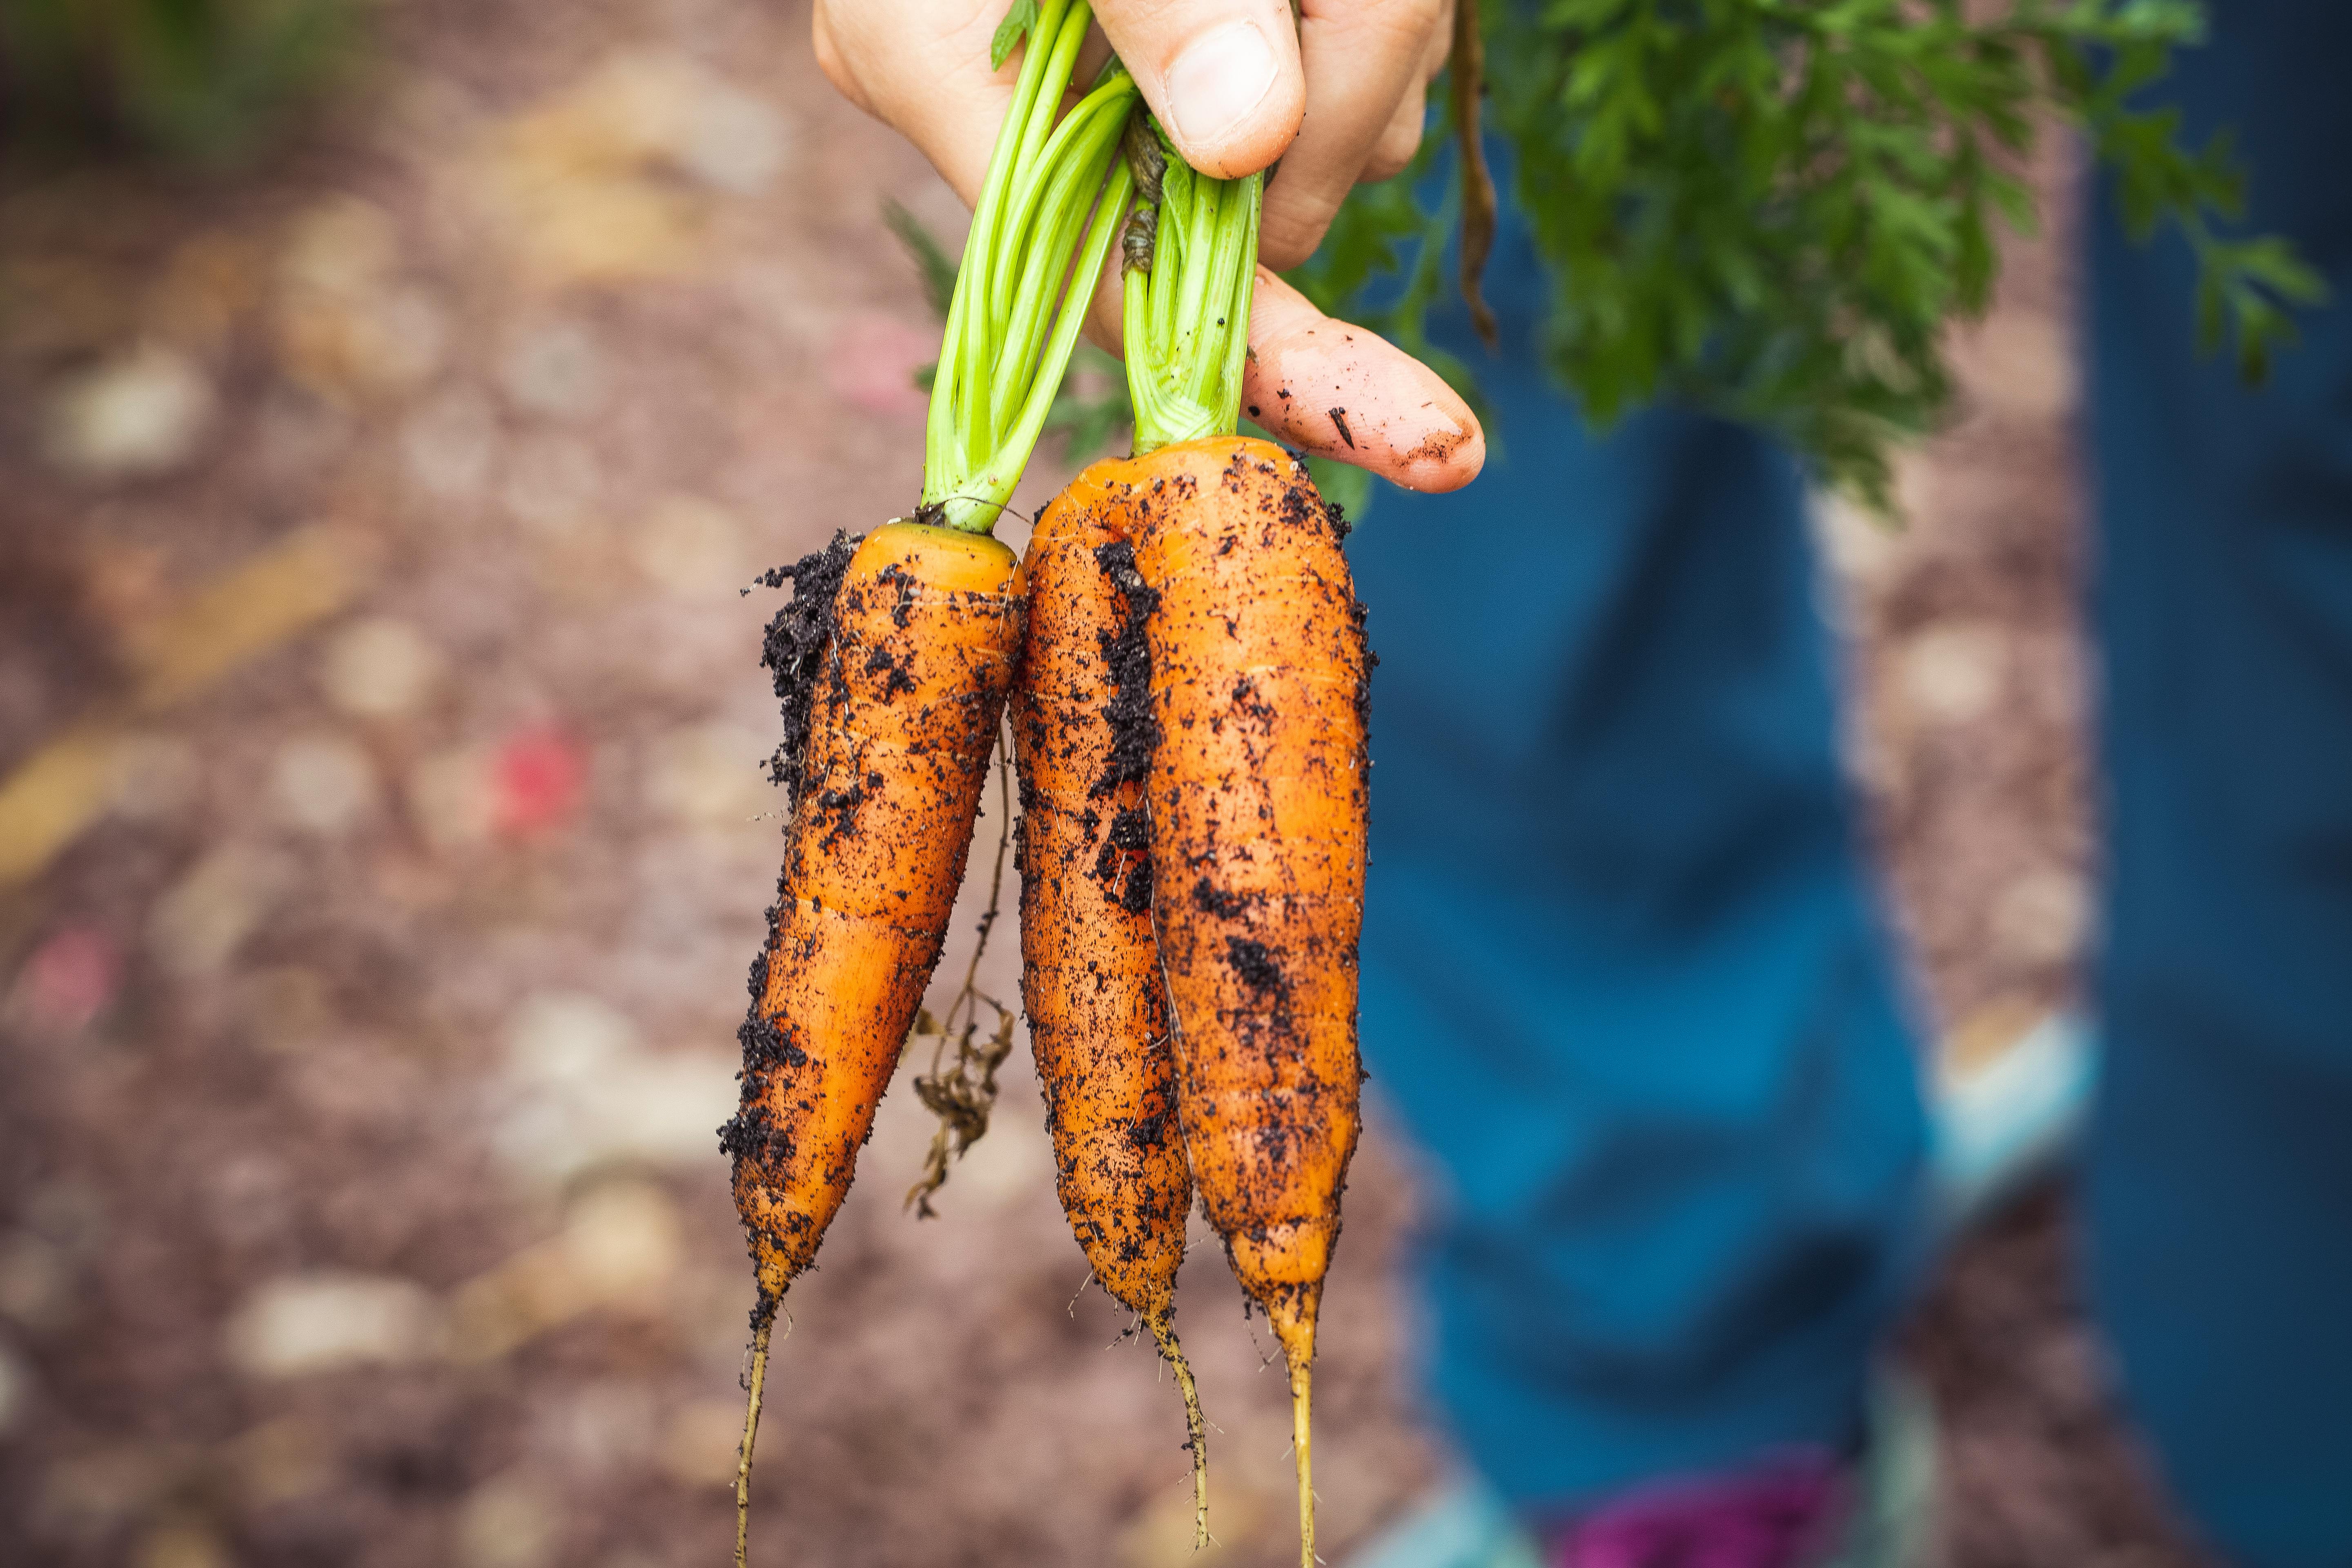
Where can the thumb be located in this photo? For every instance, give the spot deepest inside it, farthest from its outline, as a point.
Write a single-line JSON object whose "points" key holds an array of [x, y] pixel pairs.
{"points": [[1222, 76]]}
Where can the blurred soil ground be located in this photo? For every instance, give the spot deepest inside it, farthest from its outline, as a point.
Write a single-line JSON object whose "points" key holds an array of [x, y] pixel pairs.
{"points": [[380, 744]]}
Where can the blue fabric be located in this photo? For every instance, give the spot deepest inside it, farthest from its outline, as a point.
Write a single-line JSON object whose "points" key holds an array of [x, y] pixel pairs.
{"points": [[2221, 1170], [1621, 976]]}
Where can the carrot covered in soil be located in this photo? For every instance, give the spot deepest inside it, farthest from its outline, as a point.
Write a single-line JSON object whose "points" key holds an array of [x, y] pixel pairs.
{"points": [[1256, 790], [1090, 974], [893, 660]]}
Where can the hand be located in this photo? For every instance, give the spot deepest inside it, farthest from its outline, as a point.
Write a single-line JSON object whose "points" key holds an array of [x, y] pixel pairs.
{"points": [[1232, 81]]}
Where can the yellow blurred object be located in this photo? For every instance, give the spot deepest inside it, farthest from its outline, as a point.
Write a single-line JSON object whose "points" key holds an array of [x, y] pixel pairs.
{"points": [[275, 595], [619, 1247], [50, 798]]}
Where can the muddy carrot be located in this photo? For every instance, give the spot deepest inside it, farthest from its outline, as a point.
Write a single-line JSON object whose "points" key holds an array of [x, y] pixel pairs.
{"points": [[1256, 790], [893, 661], [1090, 974]]}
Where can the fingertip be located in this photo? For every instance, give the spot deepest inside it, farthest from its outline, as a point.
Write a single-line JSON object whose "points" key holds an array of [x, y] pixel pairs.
{"points": [[1445, 461]]}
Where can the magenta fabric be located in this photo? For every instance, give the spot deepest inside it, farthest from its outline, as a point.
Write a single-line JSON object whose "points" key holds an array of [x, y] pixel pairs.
{"points": [[1781, 1513]]}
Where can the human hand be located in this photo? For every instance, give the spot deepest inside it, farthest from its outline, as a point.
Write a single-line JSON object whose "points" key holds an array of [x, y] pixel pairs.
{"points": [[1232, 82]]}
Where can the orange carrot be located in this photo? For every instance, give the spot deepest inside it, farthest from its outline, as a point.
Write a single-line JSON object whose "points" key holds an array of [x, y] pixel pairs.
{"points": [[897, 712], [1257, 795], [1090, 981]]}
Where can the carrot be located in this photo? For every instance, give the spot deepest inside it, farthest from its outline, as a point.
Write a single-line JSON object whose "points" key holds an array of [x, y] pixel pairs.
{"points": [[902, 714], [894, 664], [1258, 793], [1257, 784], [1090, 979]]}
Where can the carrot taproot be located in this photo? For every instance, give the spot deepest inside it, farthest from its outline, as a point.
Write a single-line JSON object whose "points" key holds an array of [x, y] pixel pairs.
{"points": [[1257, 804], [1090, 974]]}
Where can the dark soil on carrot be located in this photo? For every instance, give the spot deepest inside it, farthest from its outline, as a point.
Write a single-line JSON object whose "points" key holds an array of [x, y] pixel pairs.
{"points": [[359, 1059], [796, 642]]}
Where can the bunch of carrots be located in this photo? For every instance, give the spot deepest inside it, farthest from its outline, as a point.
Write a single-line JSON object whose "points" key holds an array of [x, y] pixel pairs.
{"points": [[1184, 659]]}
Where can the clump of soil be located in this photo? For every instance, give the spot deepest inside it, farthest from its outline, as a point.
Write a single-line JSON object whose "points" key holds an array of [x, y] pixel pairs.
{"points": [[796, 642]]}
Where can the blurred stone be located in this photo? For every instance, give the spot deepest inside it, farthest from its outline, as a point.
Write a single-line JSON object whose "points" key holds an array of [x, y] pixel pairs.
{"points": [[297, 435], [197, 927], [280, 1461], [15, 1391], [325, 1321], [139, 414], [622, 1240], [1012, 1164], [1951, 672], [345, 245], [2041, 917], [693, 548], [347, 325], [709, 775], [552, 485], [1861, 548], [380, 668], [604, 1428], [452, 800], [346, 346], [555, 370], [35, 1283], [154, 777], [210, 282], [700, 1446], [285, 1005], [449, 446], [2020, 363], [732, 139], [568, 1038], [506, 1522], [572, 181], [582, 1092], [68, 980], [324, 784], [181, 1543], [619, 1247]]}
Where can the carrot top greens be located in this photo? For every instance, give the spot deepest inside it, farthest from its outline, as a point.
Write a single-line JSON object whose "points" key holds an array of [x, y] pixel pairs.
{"points": [[1051, 205], [1190, 267], [1772, 208]]}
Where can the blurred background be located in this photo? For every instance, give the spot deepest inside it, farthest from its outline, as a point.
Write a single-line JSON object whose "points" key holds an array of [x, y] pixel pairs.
{"points": [[393, 399]]}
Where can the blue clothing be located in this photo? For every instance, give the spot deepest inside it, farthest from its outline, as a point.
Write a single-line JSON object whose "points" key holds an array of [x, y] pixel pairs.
{"points": [[2220, 1177], [1623, 978], [1621, 970]]}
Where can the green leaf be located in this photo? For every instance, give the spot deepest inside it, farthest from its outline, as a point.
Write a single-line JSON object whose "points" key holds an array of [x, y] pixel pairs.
{"points": [[930, 258], [1011, 31], [1772, 208]]}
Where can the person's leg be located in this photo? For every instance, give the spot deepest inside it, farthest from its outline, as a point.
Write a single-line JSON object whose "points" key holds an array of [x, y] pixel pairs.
{"points": [[2219, 1177], [1621, 974]]}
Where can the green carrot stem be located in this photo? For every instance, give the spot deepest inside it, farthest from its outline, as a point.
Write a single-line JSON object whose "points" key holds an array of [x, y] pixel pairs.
{"points": [[1188, 307], [1055, 188]]}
